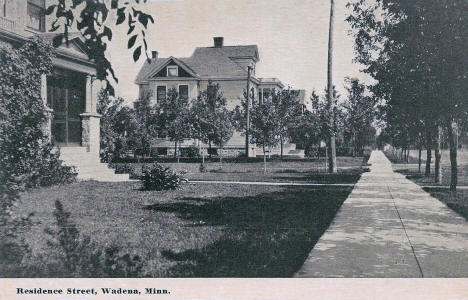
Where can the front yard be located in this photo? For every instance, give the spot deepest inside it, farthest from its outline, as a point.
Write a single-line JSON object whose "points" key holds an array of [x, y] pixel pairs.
{"points": [[208, 230], [349, 168]]}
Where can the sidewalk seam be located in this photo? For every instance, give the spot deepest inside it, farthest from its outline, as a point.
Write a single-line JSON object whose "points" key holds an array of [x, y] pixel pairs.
{"points": [[406, 233]]}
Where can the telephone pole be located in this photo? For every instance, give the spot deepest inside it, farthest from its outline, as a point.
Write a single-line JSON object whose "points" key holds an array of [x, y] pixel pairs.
{"points": [[331, 141]]}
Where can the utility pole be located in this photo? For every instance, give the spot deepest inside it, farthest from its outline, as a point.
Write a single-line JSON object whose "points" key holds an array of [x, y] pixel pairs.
{"points": [[331, 142], [247, 113]]}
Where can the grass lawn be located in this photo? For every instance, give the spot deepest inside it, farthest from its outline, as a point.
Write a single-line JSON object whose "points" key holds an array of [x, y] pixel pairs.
{"points": [[350, 169], [456, 201], [412, 172], [198, 231]]}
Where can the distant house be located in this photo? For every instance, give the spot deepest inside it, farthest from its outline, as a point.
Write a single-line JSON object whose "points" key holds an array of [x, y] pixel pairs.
{"points": [[69, 95], [219, 64]]}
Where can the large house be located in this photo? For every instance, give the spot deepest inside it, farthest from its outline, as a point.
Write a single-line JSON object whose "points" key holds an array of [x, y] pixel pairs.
{"points": [[69, 95], [226, 66]]}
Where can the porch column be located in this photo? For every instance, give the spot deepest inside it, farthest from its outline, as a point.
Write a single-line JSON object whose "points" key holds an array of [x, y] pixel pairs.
{"points": [[47, 126], [90, 120]]}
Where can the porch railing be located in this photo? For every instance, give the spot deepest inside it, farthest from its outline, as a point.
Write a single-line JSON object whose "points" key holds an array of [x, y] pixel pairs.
{"points": [[7, 24]]}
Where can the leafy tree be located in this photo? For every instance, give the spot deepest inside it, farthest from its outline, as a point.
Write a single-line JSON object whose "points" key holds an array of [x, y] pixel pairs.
{"points": [[359, 115], [120, 129], [211, 120], [145, 115], [306, 132], [26, 156], [91, 19], [328, 124], [288, 110], [264, 127], [172, 118], [415, 52]]}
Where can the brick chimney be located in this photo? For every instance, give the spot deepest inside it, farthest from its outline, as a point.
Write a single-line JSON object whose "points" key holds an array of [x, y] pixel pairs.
{"points": [[218, 41], [154, 54]]}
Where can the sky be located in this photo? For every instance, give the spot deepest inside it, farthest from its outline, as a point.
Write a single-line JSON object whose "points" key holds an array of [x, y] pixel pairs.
{"points": [[292, 37]]}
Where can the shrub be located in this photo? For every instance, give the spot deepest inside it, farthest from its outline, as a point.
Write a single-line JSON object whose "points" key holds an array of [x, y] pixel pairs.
{"points": [[77, 256], [26, 157], [157, 178], [124, 169]]}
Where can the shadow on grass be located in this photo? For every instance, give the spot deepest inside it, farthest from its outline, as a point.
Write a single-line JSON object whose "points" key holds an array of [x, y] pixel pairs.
{"points": [[457, 201], [344, 176], [267, 235]]}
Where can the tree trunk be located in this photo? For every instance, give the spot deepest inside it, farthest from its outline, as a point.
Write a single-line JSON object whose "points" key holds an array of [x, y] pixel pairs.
{"points": [[221, 155], [355, 144], [407, 154], [203, 155], [438, 155], [175, 148], [264, 160], [281, 141], [453, 156], [419, 157], [428, 153], [332, 158], [209, 149]]}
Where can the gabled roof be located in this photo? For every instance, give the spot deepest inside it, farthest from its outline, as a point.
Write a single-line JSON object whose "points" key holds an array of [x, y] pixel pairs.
{"points": [[250, 51], [205, 62], [74, 38], [163, 62], [149, 67]]}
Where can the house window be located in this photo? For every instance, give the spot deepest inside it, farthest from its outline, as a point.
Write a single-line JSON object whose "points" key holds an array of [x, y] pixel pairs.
{"points": [[162, 151], [183, 91], [172, 71], [36, 15], [161, 92]]}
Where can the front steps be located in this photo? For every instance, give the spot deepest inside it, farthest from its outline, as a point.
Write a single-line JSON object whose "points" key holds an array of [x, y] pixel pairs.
{"points": [[89, 166]]}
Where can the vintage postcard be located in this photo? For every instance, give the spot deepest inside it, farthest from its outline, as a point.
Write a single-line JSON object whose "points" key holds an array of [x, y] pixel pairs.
{"points": [[216, 149]]}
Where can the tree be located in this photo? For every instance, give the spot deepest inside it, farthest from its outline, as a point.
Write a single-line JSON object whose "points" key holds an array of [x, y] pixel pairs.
{"points": [[145, 117], [91, 19], [172, 116], [306, 133], [27, 159], [211, 120], [328, 124], [288, 110], [120, 129], [415, 50], [359, 115], [331, 135], [264, 128]]}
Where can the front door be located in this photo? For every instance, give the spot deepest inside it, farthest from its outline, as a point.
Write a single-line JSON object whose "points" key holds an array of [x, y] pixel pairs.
{"points": [[67, 97]]}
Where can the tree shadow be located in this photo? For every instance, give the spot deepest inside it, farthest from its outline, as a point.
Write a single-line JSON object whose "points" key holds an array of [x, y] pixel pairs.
{"points": [[344, 176], [266, 235]]}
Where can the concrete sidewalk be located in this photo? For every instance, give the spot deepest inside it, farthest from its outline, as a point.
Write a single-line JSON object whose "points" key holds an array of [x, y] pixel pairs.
{"points": [[390, 227]]}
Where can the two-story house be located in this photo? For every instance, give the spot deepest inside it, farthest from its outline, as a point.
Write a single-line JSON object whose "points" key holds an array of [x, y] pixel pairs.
{"points": [[226, 66], [69, 95]]}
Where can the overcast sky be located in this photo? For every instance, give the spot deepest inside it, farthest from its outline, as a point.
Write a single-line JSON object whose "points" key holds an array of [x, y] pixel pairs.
{"points": [[292, 36]]}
